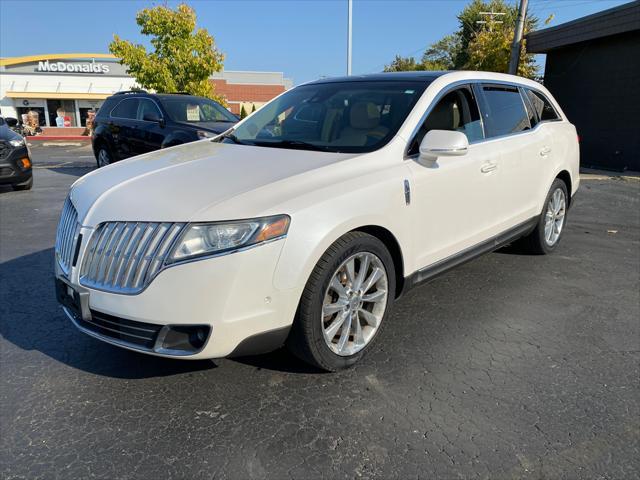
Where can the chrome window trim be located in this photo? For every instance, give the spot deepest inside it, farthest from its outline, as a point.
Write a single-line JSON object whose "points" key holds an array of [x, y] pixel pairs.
{"points": [[474, 83]]}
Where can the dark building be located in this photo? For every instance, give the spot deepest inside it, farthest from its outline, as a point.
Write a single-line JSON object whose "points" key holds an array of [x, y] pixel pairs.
{"points": [[593, 70]]}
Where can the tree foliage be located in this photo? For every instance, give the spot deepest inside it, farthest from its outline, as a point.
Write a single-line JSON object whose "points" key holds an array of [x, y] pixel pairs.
{"points": [[243, 112], [475, 46], [182, 59]]}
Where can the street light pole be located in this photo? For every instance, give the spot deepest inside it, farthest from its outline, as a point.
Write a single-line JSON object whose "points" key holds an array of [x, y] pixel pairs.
{"points": [[349, 37], [517, 38]]}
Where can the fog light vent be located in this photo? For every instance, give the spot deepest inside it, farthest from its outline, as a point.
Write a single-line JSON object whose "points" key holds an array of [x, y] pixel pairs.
{"points": [[182, 339]]}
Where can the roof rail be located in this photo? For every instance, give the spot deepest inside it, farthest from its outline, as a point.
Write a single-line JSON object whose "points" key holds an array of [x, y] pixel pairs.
{"points": [[123, 92]]}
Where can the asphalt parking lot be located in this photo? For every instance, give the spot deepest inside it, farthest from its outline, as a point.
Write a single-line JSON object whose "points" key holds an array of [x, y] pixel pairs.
{"points": [[511, 366]]}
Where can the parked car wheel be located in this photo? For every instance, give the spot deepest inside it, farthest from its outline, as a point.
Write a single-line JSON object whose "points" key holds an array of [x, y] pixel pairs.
{"points": [[548, 232], [103, 157], [344, 303], [23, 186]]}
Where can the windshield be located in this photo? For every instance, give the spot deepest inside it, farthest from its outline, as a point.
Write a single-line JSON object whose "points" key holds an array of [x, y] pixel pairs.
{"points": [[196, 109], [335, 117]]}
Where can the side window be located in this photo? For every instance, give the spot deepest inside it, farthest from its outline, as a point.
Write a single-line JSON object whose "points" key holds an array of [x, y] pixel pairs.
{"points": [[458, 111], [127, 108], [147, 107], [503, 110], [542, 106], [531, 113]]}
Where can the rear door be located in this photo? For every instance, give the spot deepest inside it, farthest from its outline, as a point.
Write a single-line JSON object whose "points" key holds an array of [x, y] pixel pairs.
{"points": [[509, 128], [453, 201], [122, 124]]}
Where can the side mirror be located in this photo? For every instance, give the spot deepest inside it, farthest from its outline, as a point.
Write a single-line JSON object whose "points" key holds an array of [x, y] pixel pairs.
{"points": [[152, 117], [12, 122], [443, 143]]}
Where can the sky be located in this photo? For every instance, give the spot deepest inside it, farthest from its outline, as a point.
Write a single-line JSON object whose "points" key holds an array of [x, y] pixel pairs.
{"points": [[305, 39]]}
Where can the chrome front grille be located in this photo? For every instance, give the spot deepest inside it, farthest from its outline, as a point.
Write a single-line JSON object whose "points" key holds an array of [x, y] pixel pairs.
{"points": [[123, 257], [66, 236]]}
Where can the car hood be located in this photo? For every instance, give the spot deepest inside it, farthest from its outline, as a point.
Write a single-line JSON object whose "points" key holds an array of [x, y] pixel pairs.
{"points": [[184, 183], [7, 134]]}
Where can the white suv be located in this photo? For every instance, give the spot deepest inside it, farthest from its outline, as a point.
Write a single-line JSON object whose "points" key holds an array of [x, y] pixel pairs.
{"points": [[306, 221]]}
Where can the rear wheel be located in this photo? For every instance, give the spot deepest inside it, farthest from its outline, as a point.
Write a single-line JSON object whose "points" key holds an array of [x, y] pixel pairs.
{"points": [[345, 303], [103, 156], [548, 232]]}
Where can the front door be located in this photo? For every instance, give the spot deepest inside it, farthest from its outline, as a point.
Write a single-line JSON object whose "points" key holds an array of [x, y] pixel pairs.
{"points": [[149, 134], [122, 123], [454, 199]]}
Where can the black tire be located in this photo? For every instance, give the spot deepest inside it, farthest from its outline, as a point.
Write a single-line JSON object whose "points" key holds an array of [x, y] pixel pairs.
{"points": [[535, 243], [23, 186], [306, 339], [107, 158]]}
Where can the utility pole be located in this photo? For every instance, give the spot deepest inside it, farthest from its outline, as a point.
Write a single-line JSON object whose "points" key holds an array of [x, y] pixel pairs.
{"points": [[517, 38], [349, 15]]}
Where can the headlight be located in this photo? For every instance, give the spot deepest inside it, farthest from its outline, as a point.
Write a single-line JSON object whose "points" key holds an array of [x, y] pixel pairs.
{"points": [[201, 239], [17, 143]]}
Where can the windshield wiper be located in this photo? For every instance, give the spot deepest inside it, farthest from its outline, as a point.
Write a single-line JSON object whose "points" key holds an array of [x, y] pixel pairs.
{"points": [[292, 143], [231, 136]]}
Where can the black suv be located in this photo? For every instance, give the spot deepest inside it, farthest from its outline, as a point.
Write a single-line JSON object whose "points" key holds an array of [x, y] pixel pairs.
{"points": [[135, 122]]}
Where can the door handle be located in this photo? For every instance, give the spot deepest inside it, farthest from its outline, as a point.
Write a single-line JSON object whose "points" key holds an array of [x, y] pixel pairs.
{"points": [[488, 167], [545, 151]]}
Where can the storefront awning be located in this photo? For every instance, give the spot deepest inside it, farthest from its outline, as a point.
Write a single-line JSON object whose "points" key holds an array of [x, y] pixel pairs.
{"points": [[59, 95]]}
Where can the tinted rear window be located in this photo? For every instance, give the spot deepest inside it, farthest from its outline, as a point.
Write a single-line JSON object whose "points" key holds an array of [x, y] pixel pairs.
{"points": [[504, 111], [542, 106]]}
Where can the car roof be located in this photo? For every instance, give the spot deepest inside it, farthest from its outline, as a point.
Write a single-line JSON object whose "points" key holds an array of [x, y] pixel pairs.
{"points": [[136, 93], [423, 75]]}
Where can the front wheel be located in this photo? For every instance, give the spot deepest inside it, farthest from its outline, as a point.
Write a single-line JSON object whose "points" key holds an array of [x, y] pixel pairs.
{"points": [[345, 303], [546, 236]]}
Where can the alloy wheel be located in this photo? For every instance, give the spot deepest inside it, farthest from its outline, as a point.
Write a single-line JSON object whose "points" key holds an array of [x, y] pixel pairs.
{"points": [[354, 303], [554, 217], [103, 158]]}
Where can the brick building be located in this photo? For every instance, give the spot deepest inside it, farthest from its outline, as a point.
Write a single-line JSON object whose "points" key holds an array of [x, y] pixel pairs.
{"points": [[249, 88]]}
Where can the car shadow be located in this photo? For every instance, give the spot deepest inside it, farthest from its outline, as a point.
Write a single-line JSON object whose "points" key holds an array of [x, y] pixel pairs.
{"points": [[31, 319]]}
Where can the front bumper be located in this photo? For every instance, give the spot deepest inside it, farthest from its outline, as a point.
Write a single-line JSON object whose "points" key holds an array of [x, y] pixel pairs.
{"points": [[11, 172], [232, 295]]}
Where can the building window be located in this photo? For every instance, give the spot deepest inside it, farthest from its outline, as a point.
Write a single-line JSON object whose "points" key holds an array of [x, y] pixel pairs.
{"points": [[32, 116], [62, 113]]}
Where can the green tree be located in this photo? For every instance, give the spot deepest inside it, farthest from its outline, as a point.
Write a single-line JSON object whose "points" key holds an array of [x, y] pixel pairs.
{"points": [[442, 55], [243, 112], [253, 107], [182, 59], [475, 46], [403, 64], [491, 51]]}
